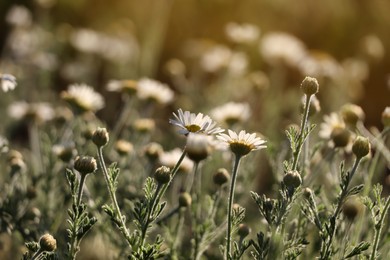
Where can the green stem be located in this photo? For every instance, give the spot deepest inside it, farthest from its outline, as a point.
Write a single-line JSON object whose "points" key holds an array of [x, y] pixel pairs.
{"points": [[301, 133], [378, 229], [37, 254], [81, 186], [114, 201], [230, 205]]}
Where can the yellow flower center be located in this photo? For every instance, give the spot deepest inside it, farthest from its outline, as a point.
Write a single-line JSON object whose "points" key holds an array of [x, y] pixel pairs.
{"points": [[193, 128], [240, 148]]}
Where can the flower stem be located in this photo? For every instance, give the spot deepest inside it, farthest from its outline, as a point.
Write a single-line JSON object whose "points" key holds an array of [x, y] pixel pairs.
{"points": [[378, 230], [230, 205], [81, 186], [114, 201]]}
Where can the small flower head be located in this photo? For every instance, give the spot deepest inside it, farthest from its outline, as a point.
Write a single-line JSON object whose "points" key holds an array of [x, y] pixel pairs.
{"points": [[310, 86], [144, 125], [37, 112], [47, 243], [292, 179], [7, 82], [100, 137], [124, 147], [341, 137], [163, 175], [386, 117], [83, 98], [194, 123], [243, 143], [170, 158], [65, 152], [221, 176], [198, 146], [153, 151], [243, 230], [149, 89], [351, 114], [185, 200], [361, 147], [351, 208], [85, 165], [231, 113], [124, 86]]}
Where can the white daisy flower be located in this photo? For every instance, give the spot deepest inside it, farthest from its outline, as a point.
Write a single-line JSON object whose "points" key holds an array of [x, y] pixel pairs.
{"points": [[194, 123], [334, 129], [242, 33], [124, 86], [8, 82], [149, 89], [83, 98], [170, 159], [40, 112], [242, 143], [231, 113], [3, 144], [330, 123]]}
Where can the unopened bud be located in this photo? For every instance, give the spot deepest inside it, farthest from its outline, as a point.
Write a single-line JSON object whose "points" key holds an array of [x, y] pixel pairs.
{"points": [[361, 147], [307, 193], [153, 151], [100, 137], [351, 114], [47, 243], [310, 86], [243, 230], [340, 136], [292, 179], [124, 147], [221, 176], [85, 164], [163, 175], [185, 200]]}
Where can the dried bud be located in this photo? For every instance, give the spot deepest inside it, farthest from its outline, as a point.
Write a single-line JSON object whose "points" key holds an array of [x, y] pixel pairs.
{"points": [[47, 243], [85, 165], [221, 176], [310, 86], [163, 175], [361, 147], [292, 179], [340, 136], [100, 137], [243, 230], [386, 117], [351, 114], [185, 200]]}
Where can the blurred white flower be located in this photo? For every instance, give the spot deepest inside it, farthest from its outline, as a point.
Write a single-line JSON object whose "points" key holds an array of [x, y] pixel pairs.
{"points": [[331, 122], [284, 48], [318, 64], [149, 89], [242, 33], [170, 158], [231, 113], [19, 16], [215, 58], [242, 143], [22, 110], [3, 144], [194, 123], [8, 82], [123, 86], [83, 97]]}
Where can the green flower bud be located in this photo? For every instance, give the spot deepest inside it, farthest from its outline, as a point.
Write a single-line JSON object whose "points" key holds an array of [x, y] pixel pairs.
{"points": [[221, 176], [100, 137], [361, 147], [310, 86], [47, 243], [85, 165], [292, 179], [163, 175]]}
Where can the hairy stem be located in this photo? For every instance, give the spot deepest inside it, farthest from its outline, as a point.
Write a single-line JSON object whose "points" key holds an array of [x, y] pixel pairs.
{"points": [[378, 230]]}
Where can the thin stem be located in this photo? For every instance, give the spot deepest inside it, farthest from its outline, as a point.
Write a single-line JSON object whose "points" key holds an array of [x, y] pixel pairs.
{"points": [[301, 133], [114, 201], [37, 254], [230, 205], [81, 185], [378, 230]]}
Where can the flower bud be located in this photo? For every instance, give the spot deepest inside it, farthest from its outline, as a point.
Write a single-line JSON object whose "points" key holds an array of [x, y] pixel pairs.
{"points": [[292, 179], [163, 175], [100, 137], [243, 230], [351, 114], [361, 147], [386, 117], [144, 125], [340, 136], [198, 147], [47, 243], [307, 193], [310, 86], [185, 200], [153, 151], [221, 176], [85, 165], [351, 208], [124, 147]]}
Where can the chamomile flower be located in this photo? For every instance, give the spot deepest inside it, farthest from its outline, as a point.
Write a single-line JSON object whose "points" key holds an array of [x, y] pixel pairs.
{"points": [[123, 86], [83, 98], [242, 143], [231, 113], [194, 123], [39, 112], [149, 89], [8, 82], [170, 158], [334, 129]]}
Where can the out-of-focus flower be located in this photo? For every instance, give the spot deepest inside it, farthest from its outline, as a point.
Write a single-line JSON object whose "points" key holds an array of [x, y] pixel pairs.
{"points": [[8, 82], [83, 98], [194, 123], [40, 112], [351, 114], [282, 48], [3, 144], [331, 122], [231, 113], [386, 117], [144, 125], [319, 64], [199, 146], [216, 58], [65, 152], [335, 131], [242, 33], [149, 89], [19, 16], [238, 63], [124, 147], [170, 158], [242, 143], [123, 86], [372, 47], [175, 67]]}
